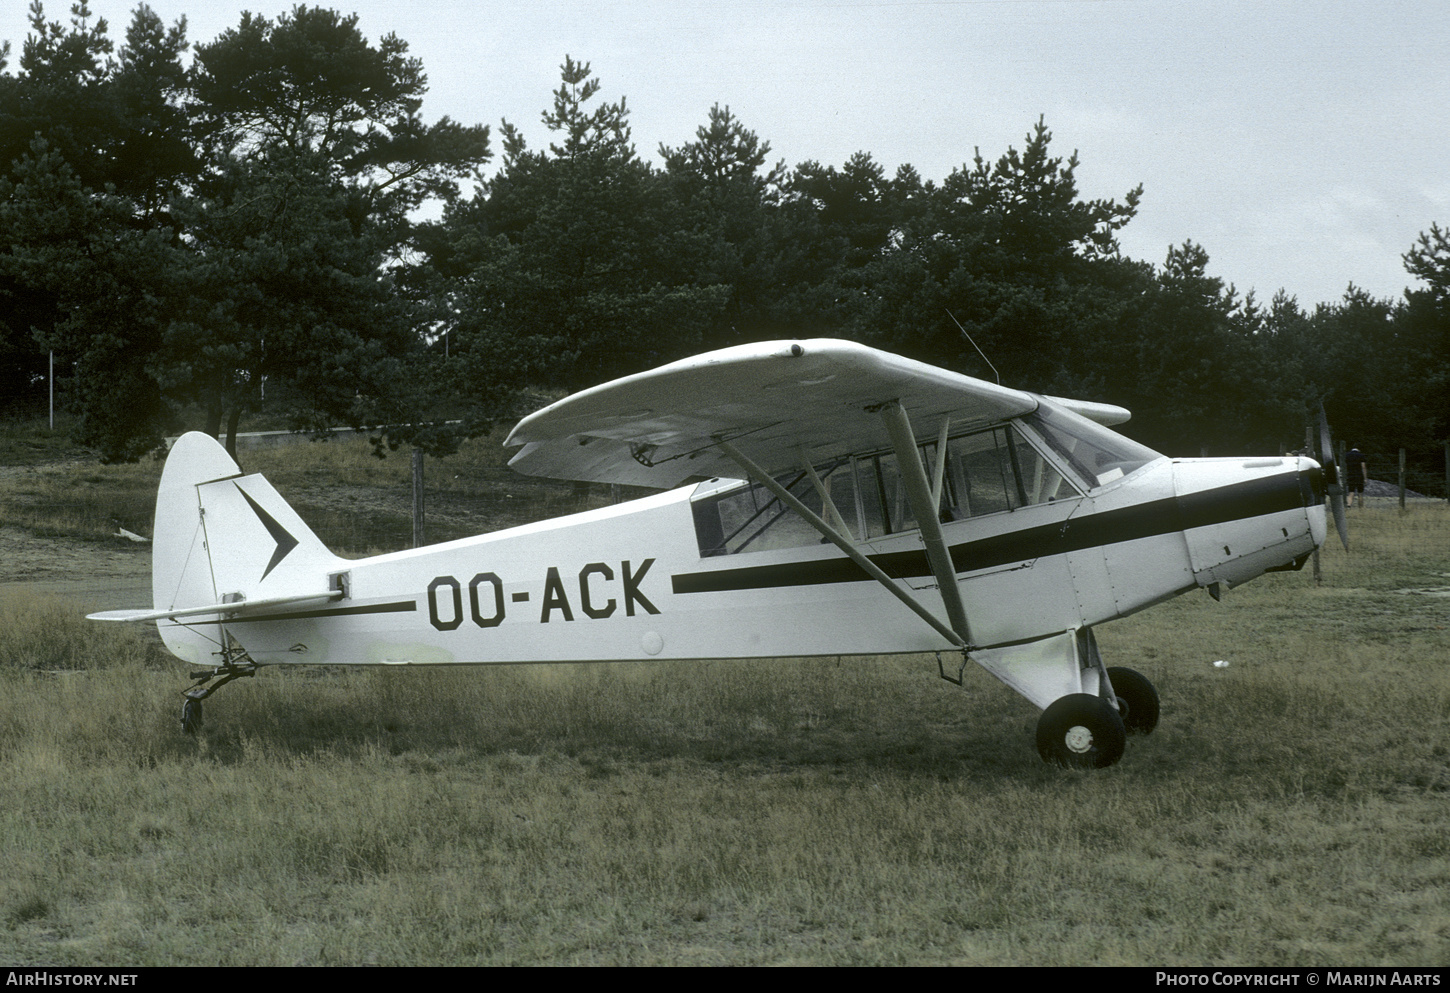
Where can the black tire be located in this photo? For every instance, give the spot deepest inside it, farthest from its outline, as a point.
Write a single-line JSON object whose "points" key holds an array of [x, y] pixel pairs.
{"points": [[1137, 700], [1081, 731], [191, 716]]}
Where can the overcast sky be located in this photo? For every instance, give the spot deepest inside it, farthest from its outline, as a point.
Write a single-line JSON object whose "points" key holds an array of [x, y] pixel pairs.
{"points": [[1305, 145]]}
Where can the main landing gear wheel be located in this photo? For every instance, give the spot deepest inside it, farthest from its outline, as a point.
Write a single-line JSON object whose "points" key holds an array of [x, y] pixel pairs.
{"points": [[1081, 731], [1137, 699]]}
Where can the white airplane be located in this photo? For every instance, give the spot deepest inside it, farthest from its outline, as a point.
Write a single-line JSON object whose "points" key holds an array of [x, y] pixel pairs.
{"points": [[822, 498]]}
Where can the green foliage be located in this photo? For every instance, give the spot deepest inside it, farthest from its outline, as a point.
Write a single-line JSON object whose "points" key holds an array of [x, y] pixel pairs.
{"points": [[602, 132], [64, 93], [1001, 258], [302, 279], [1429, 261], [101, 272], [562, 258], [1199, 367], [722, 233], [1422, 343], [199, 237], [311, 86], [115, 129], [283, 288], [1380, 368], [187, 238]]}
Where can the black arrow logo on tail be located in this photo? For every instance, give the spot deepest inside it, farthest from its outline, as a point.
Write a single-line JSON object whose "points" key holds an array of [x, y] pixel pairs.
{"points": [[285, 541]]}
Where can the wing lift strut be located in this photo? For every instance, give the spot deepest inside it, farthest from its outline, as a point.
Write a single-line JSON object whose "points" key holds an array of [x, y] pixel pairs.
{"points": [[924, 499], [1083, 719]]}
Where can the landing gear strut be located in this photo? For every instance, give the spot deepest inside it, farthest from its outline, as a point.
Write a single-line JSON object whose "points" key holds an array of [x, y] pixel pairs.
{"points": [[1089, 730], [236, 666]]}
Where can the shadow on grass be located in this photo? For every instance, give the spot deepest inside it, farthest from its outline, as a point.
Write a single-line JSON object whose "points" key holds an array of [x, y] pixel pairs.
{"points": [[768, 716]]}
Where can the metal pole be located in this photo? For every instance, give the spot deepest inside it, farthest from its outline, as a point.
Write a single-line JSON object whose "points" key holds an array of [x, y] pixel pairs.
{"points": [[417, 497], [52, 390], [1402, 479], [1309, 447]]}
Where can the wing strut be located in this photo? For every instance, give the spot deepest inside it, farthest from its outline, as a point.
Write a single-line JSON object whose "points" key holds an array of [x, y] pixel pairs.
{"points": [[919, 492], [941, 462], [828, 506], [843, 542]]}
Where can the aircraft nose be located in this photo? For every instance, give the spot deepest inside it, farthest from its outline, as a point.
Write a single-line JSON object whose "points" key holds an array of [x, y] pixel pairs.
{"points": [[1247, 518]]}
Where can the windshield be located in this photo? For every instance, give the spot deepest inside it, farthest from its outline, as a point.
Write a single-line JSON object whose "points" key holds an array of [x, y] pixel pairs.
{"points": [[1094, 452]]}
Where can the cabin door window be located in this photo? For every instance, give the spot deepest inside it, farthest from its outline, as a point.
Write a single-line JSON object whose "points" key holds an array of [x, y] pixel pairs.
{"points": [[747, 517]]}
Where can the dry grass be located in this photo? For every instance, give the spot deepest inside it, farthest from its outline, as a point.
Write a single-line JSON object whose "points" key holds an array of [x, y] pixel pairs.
{"points": [[34, 442], [1291, 808]]}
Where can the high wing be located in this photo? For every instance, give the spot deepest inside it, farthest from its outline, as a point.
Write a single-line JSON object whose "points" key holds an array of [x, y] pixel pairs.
{"points": [[776, 400]]}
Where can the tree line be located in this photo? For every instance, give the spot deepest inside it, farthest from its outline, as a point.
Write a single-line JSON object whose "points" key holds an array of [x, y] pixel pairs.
{"points": [[272, 226]]}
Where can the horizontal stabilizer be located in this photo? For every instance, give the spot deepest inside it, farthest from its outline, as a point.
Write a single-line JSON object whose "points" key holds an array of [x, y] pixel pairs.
{"points": [[236, 608]]}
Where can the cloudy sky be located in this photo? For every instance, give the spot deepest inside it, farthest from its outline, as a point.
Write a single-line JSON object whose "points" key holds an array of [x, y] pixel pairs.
{"points": [[1305, 145]]}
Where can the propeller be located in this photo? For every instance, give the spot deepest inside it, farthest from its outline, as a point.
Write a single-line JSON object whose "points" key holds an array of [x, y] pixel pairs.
{"points": [[1333, 478]]}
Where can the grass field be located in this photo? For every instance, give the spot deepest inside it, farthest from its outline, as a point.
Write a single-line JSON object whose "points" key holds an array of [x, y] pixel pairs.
{"points": [[1292, 808]]}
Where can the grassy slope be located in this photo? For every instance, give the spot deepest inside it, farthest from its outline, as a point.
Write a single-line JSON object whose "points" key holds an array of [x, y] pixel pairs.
{"points": [[1290, 809], [356, 503]]}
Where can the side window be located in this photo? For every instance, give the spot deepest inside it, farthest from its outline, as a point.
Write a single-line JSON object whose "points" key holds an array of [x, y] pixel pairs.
{"points": [[992, 471], [898, 514], [987, 472], [749, 518], [979, 475]]}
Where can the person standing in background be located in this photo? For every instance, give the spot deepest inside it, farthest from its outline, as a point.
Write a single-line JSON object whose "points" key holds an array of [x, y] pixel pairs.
{"points": [[1356, 475]]}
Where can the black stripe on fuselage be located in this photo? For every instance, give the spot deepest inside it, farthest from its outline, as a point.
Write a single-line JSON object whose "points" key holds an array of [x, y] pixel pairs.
{"points": [[401, 606], [1269, 495]]}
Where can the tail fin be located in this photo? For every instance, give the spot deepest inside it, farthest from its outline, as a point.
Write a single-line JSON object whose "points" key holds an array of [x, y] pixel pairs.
{"points": [[220, 536]]}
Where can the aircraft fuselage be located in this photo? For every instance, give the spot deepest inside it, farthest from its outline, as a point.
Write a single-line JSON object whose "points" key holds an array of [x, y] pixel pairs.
{"points": [[629, 582]]}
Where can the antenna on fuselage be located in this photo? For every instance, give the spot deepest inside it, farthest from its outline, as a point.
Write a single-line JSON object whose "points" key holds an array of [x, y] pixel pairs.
{"points": [[974, 345]]}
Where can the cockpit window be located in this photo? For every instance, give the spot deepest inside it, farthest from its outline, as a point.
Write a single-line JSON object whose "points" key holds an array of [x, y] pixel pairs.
{"points": [[864, 497], [1094, 452]]}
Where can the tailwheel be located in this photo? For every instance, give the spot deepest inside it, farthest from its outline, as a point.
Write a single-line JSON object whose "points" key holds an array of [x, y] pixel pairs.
{"points": [[1081, 731], [191, 716], [236, 665], [1137, 699]]}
